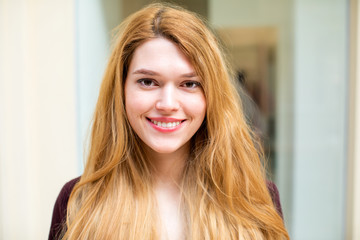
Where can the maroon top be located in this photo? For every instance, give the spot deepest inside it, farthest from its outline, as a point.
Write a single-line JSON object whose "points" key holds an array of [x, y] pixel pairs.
{"points": [[60, 208]]}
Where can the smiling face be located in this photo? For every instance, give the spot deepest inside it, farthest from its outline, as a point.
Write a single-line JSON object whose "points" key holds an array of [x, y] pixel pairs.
{"points": [[164, 100]]}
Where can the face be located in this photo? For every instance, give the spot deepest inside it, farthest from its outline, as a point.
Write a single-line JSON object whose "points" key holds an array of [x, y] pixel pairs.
{"points": [[164, 100]]}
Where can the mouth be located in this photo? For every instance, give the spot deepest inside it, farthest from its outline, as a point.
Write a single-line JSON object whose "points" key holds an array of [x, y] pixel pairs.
{"points": [[166, 122]]}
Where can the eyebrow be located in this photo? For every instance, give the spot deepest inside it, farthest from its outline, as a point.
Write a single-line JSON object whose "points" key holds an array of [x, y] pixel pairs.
{"points": [[153, 73]]}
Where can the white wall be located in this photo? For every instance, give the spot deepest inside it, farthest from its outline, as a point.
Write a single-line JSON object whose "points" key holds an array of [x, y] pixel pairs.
{"points": [[37, 112], [95, 20], [320, 90], [52, 59]]}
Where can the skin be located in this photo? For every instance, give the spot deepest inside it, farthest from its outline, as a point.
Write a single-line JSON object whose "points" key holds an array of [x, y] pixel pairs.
{"points": [[162, 85]]}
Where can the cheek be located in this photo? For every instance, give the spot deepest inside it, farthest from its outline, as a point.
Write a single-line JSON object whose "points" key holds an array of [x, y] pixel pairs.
{"points": [[131, 104], [136, 108], [134, 102], [197, 107]]}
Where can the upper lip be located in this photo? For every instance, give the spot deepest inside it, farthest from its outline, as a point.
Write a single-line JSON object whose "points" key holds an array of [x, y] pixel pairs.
{"points": [[166, 119]]}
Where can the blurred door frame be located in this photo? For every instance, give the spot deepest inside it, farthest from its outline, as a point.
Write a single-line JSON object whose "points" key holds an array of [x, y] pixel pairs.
{"points": [[353, 185]]}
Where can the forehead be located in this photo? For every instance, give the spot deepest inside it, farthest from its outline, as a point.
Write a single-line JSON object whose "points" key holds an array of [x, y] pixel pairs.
{"points": [[160, 54]]}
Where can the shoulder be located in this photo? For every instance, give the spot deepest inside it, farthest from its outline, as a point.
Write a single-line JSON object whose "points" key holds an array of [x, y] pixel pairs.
{"points": [[60, 207], [274, 193], [65, 192]]}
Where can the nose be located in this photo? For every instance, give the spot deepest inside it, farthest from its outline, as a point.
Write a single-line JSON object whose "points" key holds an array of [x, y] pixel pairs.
{"points": [[168, 100]]}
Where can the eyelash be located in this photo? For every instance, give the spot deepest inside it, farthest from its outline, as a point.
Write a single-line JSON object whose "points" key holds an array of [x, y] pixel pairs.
{"points": [[152, 83], [194, 83], [143, 80]]}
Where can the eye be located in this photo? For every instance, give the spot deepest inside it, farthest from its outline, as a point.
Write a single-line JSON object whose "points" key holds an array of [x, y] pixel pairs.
{"points": [[191, 84], [146, 82]]}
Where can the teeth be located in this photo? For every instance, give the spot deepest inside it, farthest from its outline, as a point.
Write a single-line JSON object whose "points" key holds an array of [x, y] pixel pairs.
{"points": [[165, 124]]}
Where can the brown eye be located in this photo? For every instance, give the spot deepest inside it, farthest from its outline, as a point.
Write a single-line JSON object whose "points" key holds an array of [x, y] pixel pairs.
{"points": [[191, 84], [146, 82]]}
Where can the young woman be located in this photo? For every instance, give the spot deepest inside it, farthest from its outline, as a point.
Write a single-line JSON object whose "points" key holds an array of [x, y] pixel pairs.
{"points": [[171, 155]]}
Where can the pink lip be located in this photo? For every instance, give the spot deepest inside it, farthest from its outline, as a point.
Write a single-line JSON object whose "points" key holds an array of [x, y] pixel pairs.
{"points": [[165, 119]]}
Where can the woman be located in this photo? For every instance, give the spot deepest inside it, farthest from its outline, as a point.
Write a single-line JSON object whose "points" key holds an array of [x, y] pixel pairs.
{"points": [[171, 156]]}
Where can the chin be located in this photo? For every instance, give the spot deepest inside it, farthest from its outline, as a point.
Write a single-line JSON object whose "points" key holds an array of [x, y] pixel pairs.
{"points": [[163, 150], [166, 148]]}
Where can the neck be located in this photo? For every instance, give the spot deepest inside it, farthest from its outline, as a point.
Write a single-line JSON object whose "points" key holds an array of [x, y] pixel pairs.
{"points": [[168, 167]]}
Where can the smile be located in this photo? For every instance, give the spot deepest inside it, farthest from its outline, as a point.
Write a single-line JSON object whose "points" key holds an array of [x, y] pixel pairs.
{"points": [[165, 124]]}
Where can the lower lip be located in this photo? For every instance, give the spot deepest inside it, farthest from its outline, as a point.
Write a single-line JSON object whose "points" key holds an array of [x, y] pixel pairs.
{"points": [[165, 130]]}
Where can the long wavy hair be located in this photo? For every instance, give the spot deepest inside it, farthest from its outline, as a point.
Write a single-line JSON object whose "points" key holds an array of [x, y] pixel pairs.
{"points": [[224, 192]]}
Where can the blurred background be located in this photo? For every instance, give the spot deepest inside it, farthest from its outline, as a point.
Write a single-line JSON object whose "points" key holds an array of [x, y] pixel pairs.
{"points": [[298, 63]]}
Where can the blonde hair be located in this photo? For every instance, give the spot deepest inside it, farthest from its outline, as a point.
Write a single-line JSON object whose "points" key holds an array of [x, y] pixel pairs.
{"points": [[224, 189]]}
